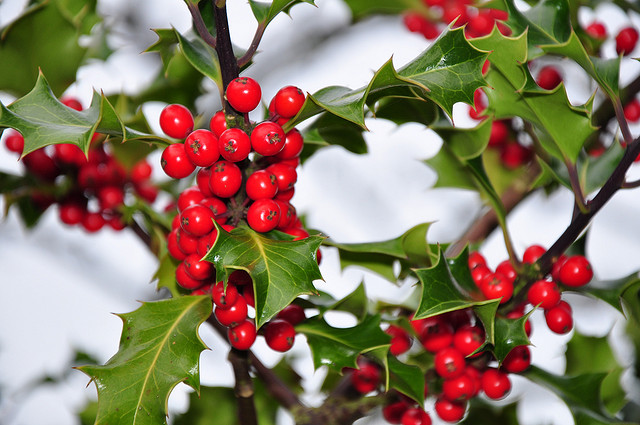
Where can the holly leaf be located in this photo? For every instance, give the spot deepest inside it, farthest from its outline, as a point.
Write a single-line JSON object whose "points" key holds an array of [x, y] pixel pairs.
{"points": [[600, 359], [466, 143], [355, 303], [407, 379], [265, 12], [159, 348], [43, 120], [452, 171], [281, 269], [562, 128], [330, 130], [509, 333], [380, 257], [340, 347], [441, 293], [449, 71], [581, 393], [362, 8], [48, 31]]}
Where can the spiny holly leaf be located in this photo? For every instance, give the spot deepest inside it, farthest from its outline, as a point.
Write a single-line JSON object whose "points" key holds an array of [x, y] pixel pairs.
{"points": [[509, 333], [466, 143], [379, 257], [332, 130], [355, 303], [43, 120], [562, 128], [407, 379], [265, 12], [281, 269], [363, 8], [581, 393], [600, 359], [39, 38], [340, 347], [449, 71], [159, 348], [405, 109], [441, 293]]}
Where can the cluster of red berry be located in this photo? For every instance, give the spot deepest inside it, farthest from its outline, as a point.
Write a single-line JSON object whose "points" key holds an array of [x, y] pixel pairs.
{"points": [[572, 271], [95, 186], [245, 173], [440, 13], [461, 370]]}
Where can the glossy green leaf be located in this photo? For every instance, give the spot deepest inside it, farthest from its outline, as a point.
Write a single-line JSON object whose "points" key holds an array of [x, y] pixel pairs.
{"points": [[562, 128], [581, 393], [402, 110], [600, 359], [265, 12], [330, 130], [165, 275], [441, 293], [466, 143], [355, 303], [202, 56], [159, 348], [281, 270], [340, 347], [381, 256], [449, 71], [509, 333], [407, 379], [363, 8], [38, 39], [43, 120], [452, 172]]}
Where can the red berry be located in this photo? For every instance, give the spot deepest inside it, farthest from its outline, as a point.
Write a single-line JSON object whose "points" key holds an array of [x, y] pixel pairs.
{"points": [[234, 145], [495, 384], [197, 269], [435, 334], [223, 297], [262, 184], [187, 243], [468, 339], [544, 293], [288, 101], [416, 416], [513, 155], [532, 253], [41, 165], [507, 270], [267, 138], [71, 102], [140, 172], [185, 280], [176, 121], [496, 286], [279, 335], [450, 411], [366, 378], [518, 360], [110, 197], [400, 340], [499, 133], [449, 363], [240, 278], [549, 77], [476, 259], [14, 141], [479, 105], [234, 314], [243, 335], [417, 23], [293, 145], [632, 110], [72, 212], [285, 175], [226, 179], [481, 24], [173, 247], [175, 162], [202, 148], [626, 41], [263, 215], [393, 412], [243, 94], [197, 220], [596, 30], [69, 154], [218, 123], [559, 318], [217, 207], [93, 221], [293, 314], [575, 271], [459, 388]]}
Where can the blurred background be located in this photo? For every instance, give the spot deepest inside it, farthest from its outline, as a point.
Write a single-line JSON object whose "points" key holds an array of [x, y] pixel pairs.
{"points": [[60, 286]]}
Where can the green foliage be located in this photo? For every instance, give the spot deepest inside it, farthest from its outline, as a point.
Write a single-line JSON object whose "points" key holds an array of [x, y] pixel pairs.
{"points": [[159, 348], [281, 269]]}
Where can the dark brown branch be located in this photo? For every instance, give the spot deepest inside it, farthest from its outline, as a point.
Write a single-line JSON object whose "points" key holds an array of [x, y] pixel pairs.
{"points": [[243, 388], [246, 58], [200, 26], [143, 236], [580, 200], [228, 62]]}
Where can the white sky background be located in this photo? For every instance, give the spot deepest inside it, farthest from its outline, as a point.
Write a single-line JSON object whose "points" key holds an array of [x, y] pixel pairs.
{"points": [[60, 286]]}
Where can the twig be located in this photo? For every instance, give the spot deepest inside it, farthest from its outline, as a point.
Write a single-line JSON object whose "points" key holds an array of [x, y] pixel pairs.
{"points": [[244, 391], [580, 201], [246, 58], [200, 26]]}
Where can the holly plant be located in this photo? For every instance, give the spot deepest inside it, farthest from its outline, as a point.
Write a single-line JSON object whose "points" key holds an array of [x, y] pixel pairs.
{"points": [[234, 254]]}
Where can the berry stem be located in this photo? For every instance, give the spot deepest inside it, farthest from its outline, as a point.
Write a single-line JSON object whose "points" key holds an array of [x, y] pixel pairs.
{"points": [[622, 122], [580, 201], [200, 26]]}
